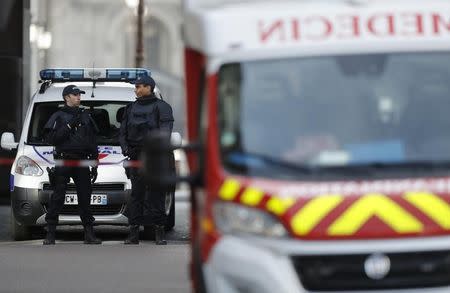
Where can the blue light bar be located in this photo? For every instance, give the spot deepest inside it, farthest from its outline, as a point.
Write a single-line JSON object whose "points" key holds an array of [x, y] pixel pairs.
{"points": [[125, 74], [93, 74], [61, 74]]}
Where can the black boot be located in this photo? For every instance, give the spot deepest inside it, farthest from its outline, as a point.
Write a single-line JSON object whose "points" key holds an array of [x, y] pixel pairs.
{"points": [[51, 235], [133, 237], [159, 235], [89, 236]]}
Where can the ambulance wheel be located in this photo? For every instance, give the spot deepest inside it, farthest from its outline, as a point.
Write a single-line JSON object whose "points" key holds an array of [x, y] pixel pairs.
{"points": [[18, 231]]}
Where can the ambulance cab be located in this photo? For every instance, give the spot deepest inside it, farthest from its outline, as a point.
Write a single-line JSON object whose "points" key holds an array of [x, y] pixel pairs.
{"points": [[324, 129]]}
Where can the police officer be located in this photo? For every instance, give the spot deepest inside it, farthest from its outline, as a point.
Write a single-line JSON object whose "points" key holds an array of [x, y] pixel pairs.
{"points": [[72, 132], [148, 113]]}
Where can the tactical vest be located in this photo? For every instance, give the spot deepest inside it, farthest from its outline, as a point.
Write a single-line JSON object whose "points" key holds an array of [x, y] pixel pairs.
{"points": [[142, 119], [82, 139]]}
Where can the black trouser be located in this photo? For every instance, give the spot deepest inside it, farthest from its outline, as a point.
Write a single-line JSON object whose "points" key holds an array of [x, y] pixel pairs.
{"points": [[143, 195], [82, 180]]}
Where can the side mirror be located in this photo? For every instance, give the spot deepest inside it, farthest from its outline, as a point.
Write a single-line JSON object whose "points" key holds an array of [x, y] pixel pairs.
{"points": [[175, 140], [8, 142]]}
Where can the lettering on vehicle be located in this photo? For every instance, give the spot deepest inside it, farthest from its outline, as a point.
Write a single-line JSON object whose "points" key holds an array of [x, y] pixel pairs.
{"points": [[110, 152], [103, 150], [346, 26]]}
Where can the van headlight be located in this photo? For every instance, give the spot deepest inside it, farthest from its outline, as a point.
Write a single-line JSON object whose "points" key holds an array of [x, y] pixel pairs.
{"points": [[28, 167], [231, 218]]}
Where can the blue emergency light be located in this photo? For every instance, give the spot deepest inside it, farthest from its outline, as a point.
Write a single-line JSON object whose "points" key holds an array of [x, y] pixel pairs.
{"points": [[93, 74], [61, 74]]}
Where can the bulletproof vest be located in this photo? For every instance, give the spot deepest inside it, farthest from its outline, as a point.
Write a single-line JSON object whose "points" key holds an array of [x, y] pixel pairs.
{"points": [[82, 139], [142, 119]]}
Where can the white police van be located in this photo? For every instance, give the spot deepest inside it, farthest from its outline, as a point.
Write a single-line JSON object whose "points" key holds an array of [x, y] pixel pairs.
{"points": [[108, 91]]}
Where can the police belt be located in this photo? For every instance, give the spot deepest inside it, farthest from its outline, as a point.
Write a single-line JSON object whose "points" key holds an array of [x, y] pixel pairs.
{"points": [[70, 156]]}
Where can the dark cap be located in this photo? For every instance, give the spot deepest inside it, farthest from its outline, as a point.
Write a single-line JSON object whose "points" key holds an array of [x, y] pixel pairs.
{"points": [[145, 80], [72, 89]]}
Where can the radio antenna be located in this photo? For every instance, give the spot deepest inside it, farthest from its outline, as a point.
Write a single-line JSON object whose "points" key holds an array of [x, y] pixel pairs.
{"points": [[94, 77]]}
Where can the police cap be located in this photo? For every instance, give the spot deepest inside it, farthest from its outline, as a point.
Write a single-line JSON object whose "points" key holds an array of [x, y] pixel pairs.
{"points": [[72, 89], [145, 80]]}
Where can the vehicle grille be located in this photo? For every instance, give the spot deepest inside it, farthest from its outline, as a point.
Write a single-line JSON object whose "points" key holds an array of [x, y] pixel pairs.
{"points": [[346, 272], [95, 187], [97, 210]]}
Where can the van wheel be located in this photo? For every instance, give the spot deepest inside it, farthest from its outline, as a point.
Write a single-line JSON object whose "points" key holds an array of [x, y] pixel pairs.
{"points": [[18, 231], [149, 231]]}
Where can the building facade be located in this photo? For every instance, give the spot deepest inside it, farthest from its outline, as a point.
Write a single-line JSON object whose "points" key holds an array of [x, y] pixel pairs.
{"points": [[102, 33]]}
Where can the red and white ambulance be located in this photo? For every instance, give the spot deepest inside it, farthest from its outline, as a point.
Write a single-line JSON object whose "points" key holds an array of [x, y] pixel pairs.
{"points": [[325, 134]]}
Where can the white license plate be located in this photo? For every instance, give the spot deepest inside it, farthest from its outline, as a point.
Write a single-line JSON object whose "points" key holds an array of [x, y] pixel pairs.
{"points": [[96, 199]]}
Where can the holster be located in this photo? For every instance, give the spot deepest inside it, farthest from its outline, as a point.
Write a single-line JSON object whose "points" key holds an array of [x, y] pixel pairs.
{"points": [[51, 176], [69, 156]]}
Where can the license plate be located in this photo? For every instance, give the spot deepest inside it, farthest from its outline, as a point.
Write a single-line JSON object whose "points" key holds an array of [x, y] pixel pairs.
{"points": [[96, 199]]}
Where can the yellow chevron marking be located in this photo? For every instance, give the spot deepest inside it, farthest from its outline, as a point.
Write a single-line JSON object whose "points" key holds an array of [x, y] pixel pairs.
{"points": [[313, 212], [432, 206], [207, 225], [229, 189], [374, 205], [252, 196], [278, 205]]}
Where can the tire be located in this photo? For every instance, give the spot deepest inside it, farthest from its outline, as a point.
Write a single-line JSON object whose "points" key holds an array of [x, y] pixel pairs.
{"points": [[149, 232], [18, 231]]}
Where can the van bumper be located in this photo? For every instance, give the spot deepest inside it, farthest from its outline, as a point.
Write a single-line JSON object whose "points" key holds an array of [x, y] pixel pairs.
{"points": [[30, 206], [118, 219], [26, 206]]}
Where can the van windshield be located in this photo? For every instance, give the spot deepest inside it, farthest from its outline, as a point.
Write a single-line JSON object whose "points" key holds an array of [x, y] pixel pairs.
{"points": [[334, 112], [107, 116]]}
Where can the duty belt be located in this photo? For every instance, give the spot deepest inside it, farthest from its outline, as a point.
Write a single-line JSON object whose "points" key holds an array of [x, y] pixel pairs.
{"points": [[70, 156]]}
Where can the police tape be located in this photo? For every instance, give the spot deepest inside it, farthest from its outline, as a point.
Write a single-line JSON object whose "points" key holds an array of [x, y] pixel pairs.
{"points": [[80, 163]]}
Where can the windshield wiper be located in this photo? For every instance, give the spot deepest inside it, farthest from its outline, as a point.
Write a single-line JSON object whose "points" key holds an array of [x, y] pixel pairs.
{"points": [[260, 161], [411, 165], [256, 160]]}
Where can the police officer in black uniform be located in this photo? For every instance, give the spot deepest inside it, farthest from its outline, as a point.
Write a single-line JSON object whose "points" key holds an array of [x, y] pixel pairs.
{"points": [[72, 132], [148, 113]]}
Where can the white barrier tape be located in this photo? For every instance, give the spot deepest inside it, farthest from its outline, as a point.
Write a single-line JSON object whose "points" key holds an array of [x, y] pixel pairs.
{"points": [[81, 163], [76, 163], [132, 164]]}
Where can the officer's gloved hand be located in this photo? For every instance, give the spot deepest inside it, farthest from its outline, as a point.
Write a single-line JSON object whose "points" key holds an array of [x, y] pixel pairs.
{"points": [[93, 174], [75, 121]]}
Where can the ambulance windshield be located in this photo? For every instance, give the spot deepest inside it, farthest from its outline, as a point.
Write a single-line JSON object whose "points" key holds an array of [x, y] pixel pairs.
{"points": [[335, 111]]}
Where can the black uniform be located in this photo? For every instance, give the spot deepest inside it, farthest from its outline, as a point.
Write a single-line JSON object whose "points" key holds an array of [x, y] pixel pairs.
{"points": [[140, 118], [72, 131]]}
